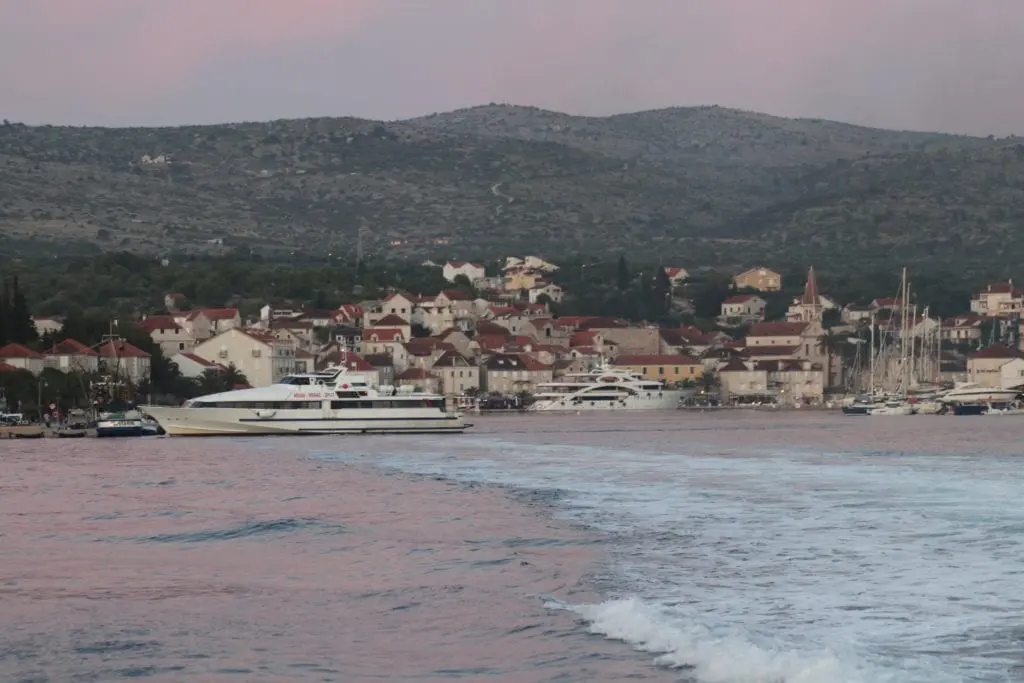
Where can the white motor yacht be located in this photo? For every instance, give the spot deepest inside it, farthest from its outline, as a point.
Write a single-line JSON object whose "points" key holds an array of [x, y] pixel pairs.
{"points": [[972, 392], [333, 401], [606, 388]]}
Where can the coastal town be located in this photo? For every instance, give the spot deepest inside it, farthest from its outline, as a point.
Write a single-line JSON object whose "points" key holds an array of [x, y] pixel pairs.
{"points": [[496, 340]]}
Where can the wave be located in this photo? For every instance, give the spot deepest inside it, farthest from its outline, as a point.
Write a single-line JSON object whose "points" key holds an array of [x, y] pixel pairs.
{"points": [[246, 530], [719, 656]]}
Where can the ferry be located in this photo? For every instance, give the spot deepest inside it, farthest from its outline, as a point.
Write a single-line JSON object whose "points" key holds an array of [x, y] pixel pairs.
{"points": [[606, 388], [333, 401]]}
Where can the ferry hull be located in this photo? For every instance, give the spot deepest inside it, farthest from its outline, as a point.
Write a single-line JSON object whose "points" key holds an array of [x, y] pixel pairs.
{"points": [[242, 422]]}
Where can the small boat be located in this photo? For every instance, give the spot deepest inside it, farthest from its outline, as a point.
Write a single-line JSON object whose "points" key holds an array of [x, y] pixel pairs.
{"points": [[130, 423], [67, 433]]}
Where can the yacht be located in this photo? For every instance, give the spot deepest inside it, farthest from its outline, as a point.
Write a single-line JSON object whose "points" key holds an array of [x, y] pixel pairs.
{"points": [[972, 392], [606, 388], [333, 401]]}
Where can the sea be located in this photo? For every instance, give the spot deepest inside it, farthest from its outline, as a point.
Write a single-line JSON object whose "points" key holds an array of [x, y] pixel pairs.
{"points": [[719, 547]]}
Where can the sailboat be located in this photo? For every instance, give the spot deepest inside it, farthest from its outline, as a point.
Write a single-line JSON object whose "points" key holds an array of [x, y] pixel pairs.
{"points": [[120, 419], [890, 365]]}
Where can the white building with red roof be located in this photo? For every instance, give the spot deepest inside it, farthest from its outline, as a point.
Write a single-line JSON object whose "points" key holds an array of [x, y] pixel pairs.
{"points": [[742, 309], [192, 366], [168, 334], [998, 299], [124, 359], [22, 358], [71, 355]]}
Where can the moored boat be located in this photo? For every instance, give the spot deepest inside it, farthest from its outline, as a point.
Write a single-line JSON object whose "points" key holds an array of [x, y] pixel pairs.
{"points": [[606, 388], [333, 401]]}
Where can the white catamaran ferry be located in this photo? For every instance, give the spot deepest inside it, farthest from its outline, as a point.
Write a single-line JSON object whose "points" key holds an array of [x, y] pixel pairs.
{"points": [[333, 401], [606, 388]]}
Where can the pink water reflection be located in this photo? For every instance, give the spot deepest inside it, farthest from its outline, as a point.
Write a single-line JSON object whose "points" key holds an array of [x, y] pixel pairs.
{"points": [[320, 571]]}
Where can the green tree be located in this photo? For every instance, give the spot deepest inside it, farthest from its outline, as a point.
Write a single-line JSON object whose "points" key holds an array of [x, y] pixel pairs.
{"points": [[622, 276]]}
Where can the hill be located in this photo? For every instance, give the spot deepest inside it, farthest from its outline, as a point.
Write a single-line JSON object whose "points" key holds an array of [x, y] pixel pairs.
{"points": [[692, 185]]}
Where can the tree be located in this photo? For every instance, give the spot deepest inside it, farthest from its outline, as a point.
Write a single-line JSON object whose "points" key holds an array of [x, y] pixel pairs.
{"points": [[622, 278]]}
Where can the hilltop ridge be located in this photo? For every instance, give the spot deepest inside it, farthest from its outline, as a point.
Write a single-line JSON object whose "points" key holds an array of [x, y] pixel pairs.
{"points": [[708, 184]]}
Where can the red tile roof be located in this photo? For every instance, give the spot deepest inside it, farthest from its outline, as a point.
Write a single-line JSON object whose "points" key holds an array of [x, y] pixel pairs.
{"points": [[740, 298], [5, 367], [777, 329], [70, 347], [18, 351], [413, 374], [200, 361], [391, 320], [383, 334], [122, 349]]}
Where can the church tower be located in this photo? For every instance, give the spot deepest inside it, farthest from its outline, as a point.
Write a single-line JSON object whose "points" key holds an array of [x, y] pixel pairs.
{"points": [[810, 302]]}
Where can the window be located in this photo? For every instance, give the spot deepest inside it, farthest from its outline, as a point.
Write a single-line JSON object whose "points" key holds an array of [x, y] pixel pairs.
{"points": [[677, 369], [181, 346], [661, 370]]}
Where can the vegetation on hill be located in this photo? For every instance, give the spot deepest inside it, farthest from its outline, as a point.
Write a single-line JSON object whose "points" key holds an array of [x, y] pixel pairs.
{"points": [[699, 186]]}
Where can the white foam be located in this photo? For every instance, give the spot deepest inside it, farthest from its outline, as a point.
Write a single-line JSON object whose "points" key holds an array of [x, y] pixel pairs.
{"points": [[726, 657]]}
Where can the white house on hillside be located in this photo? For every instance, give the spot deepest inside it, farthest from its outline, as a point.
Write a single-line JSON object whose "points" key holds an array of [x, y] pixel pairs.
{"points": [[472, 271]]}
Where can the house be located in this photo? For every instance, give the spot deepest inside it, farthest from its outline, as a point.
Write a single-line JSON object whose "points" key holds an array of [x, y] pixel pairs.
{"points": [[123, 359], [419, 379], [71, 356], [398, 304], [380, 340], [984, 367], [742, 309], [516, 280], [677, 276], [509, 374], [962, 329], [349, 315], [456, 374], [797, 382], [46, 324], [471, 271], [204, 323], [885, 303], [761, 279], [192, 366], [796, 339], [856, 314], [999, 299], [671, 369], [434, 314], [744, 381], [1012, 374], [552, 291], [261, 357], [168, 334], [394, 322], [22, 358]]}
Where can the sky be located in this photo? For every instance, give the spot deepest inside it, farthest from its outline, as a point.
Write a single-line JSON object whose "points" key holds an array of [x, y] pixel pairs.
{"points": [[947, 65]]}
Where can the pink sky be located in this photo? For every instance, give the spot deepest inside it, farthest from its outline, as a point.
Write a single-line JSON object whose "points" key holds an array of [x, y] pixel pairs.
{"points": [[955, 65]]}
